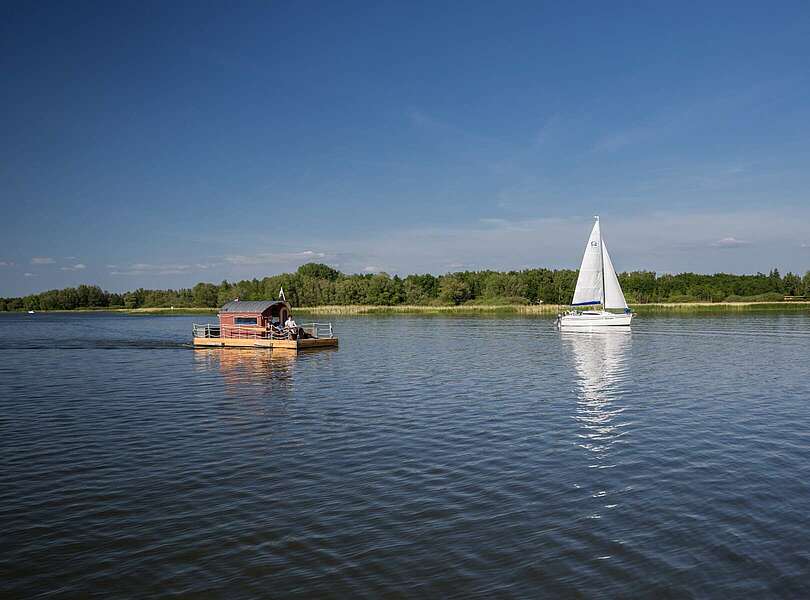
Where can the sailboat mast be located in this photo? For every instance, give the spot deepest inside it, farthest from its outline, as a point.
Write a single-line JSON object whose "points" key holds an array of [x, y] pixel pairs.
{"points": [[602, 263]]}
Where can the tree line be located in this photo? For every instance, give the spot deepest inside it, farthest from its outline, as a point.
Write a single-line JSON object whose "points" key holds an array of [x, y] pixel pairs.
{"points": [[316, 284]]}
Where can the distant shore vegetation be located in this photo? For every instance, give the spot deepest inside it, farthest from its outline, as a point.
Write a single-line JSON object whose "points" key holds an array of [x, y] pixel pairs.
{"points": [[316, 284]]}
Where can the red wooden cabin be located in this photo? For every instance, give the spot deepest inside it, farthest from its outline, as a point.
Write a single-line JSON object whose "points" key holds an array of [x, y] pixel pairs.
{"points": [[238, 318]]}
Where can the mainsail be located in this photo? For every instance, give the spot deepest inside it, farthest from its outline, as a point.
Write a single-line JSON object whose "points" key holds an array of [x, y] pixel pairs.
{"points": [[597, 282]]}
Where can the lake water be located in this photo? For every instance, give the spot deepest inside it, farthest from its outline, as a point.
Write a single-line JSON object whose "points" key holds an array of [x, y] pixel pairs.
{"points": [[427, 457]]}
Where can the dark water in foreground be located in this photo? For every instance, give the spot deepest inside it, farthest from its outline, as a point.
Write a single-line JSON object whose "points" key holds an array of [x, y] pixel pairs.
{"points": [[427, 457]]}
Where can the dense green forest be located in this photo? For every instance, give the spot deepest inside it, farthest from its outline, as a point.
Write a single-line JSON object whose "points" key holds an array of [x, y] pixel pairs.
{"points": [[316, 284]]}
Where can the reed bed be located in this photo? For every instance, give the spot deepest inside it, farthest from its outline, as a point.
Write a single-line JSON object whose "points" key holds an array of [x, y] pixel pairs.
{"points": [[698, 307], [520, 309], [359, 309], [168, 311], [546, 309]]}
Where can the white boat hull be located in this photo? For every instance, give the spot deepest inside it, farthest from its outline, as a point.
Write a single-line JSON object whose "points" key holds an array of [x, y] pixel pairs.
{"points": [[594, 319]]}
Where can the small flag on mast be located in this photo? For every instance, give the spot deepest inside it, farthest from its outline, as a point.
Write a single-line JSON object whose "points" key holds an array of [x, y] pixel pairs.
{"points": [[281, 295]]}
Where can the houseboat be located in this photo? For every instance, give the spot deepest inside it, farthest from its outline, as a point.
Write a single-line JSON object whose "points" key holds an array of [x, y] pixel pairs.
{"points": [[262, 324]]}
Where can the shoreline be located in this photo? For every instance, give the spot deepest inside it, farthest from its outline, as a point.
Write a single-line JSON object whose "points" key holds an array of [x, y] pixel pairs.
{"points": [[468, 309]]}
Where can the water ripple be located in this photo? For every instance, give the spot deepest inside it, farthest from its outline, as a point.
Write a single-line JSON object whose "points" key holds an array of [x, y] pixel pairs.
{"points": [[427, 457]]}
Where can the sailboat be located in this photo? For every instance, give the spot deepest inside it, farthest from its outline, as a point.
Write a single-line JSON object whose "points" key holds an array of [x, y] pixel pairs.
{"points": [[597, 284]]}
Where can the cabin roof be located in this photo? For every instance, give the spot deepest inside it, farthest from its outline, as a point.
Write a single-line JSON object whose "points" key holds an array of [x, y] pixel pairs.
{"points": [[249, 306]]}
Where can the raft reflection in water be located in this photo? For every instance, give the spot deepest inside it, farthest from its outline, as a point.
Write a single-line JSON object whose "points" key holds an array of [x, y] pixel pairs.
{"points": [[600, 361], [248, 370]]}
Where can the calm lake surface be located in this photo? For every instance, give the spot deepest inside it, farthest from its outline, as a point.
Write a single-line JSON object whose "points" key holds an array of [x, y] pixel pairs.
{"points": [[427, 457]]}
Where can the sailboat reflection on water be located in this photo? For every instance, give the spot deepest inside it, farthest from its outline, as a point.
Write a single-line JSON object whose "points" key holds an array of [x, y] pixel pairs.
{"points": [[602, 370]]}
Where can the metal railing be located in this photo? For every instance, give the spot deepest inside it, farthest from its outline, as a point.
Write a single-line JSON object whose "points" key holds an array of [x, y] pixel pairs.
{"points": [[319, 330], [205, 331], [315, 330]]}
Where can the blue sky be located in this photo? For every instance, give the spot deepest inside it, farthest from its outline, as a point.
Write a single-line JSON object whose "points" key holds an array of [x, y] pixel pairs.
{"points": [[161, 144]]}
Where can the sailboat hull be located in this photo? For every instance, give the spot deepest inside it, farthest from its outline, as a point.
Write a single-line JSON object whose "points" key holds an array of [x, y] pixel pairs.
{"points": [[594, 319]]}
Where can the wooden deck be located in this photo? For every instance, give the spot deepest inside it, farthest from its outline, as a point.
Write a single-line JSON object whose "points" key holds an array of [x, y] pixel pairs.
{"points": [[305, 344]]}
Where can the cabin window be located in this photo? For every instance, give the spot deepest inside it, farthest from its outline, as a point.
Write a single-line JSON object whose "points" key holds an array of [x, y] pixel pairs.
{"points": [[244, 320]]}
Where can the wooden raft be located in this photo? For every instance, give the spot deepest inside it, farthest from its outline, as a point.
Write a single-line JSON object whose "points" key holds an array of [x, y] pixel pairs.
{"points": [[219, 342]]}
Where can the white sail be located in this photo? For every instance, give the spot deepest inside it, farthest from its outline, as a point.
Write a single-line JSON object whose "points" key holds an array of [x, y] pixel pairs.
{"points": [[589, 282], [614, 298]]}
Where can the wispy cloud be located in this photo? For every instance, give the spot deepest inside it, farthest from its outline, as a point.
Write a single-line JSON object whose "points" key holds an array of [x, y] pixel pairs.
{"points": [[618, 140], [507, 224], [443, 130], [272, 258], [6, 263], [673, 120], [76, 267], [650, 128], [42, 260], [421, 119], [279, 259], [29, 275], [548, 130], [730, 242], [660, 241], [160, 269], [734, 241]]}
